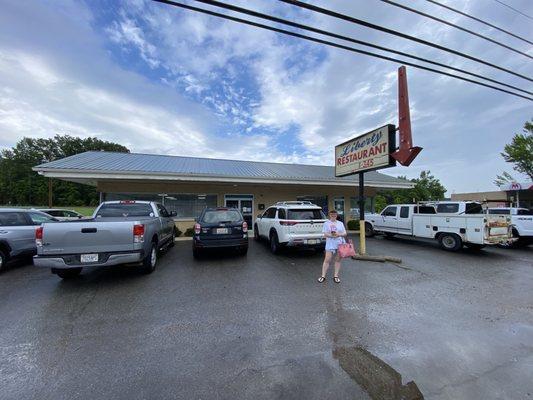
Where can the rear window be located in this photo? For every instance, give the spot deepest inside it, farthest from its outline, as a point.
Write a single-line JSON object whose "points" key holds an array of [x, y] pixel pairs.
{"points": [[306, 214], [473, 208], [125, 210], [499, 211], [448, 208], [524, 212], [425, 210], [12, 219], [218, 216], [55, 213]]}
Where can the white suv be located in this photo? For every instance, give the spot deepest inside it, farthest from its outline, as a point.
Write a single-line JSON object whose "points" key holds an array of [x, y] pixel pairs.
{"points": [[292, 224]]}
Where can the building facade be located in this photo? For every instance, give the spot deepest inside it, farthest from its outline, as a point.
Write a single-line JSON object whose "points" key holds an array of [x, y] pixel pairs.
{"points": [[187, 185]]}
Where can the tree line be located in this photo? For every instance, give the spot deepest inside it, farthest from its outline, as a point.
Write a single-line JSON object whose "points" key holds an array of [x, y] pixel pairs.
{"points": [[21, 186]]}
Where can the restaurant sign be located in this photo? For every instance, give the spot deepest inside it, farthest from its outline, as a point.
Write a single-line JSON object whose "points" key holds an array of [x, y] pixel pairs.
{"points": [[366, 152]]}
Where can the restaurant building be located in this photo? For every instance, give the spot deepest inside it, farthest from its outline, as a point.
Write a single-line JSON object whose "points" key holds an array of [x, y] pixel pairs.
{"points": [[187, 185]]}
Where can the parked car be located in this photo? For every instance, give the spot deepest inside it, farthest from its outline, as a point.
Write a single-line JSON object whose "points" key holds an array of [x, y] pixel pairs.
{"points": [[120, 232], [291, 224], [218, 228], [17, 232], [63, 215], [521, 224], [451, 230]]}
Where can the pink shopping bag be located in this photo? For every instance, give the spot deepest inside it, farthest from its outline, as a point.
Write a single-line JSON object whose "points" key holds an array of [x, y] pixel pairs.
{"points": [[346, 249]]}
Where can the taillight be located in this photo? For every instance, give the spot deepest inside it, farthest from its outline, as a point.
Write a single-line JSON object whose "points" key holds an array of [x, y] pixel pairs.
{"points": [[287, 223], [39, 236], [197, 229], [244, 227], [138, 233]]}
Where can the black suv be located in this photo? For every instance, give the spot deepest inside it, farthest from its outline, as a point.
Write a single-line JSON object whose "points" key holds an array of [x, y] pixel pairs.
{"points": [[218, 228]]}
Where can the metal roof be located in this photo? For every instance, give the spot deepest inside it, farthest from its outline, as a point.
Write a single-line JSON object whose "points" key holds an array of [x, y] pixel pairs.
{"points": [[100, 162]]}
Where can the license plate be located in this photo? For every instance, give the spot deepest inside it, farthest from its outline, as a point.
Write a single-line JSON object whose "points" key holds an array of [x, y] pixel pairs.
{"points": [[88, 258], [312, 241], [221, 231]]}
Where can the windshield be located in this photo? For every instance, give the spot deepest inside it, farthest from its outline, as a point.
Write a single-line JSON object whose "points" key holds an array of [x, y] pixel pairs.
{"points": [[218, 216], [306, 214], [125, 210]]}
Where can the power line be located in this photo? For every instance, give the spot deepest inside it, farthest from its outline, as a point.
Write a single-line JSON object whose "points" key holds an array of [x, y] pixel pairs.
{"points": [[393, 32], [479, 20], [396, 33], [514, 9], [392, 3], [349, 39], [332, 44]]}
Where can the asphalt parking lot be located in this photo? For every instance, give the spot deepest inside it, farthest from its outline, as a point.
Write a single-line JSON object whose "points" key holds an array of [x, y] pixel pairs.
{"points": [[453, 326]]}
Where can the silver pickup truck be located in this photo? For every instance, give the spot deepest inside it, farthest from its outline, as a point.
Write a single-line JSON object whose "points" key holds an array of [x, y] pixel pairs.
{"points": [[120, 232]]}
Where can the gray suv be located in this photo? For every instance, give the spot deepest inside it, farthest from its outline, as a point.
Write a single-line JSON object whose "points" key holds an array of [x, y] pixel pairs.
{"points": [[17, 232]]}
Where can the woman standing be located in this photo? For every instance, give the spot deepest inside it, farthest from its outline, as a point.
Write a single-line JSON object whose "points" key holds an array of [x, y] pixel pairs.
{"points": [[334, 232]]}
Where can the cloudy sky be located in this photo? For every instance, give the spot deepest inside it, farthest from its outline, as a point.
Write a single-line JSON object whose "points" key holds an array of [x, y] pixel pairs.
{"points": [[164, 80]]}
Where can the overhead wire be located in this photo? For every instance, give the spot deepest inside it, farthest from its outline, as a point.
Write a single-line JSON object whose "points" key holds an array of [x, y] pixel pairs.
{"points": [[514, 9], [332, 44], [272, 18], [380, 28], [443, 21], [465, 14]]}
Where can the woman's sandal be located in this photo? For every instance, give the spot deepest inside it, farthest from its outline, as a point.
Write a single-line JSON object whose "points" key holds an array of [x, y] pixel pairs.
{"points": [[321, 279], [336, 279]]}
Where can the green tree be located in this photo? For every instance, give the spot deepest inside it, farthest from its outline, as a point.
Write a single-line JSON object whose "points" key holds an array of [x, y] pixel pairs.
{"points": [[20, 185], [520, 152], [426, 188], [504, 179]]}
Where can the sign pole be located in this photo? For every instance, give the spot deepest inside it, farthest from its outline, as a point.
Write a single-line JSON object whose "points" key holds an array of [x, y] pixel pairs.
{"points": [[362, 238]]}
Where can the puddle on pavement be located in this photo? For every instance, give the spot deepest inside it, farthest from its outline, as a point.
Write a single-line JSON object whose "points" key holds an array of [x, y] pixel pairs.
{"points": [[372, 374]]}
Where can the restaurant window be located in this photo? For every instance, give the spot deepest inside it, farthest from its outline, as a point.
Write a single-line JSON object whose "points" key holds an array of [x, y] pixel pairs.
{"points": [[185, 205], [321, 201], [354, 206]]}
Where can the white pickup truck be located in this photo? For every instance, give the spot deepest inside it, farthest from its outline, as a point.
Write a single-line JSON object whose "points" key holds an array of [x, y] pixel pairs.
{"points": [[521, 223], [452, 231]]}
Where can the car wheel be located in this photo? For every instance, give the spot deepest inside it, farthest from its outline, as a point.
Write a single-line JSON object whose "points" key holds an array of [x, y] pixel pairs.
{"points": [[450, 241], [149, 262], [257, 238], [369, 230], [67, 273], [3, 260], [274, 243]]}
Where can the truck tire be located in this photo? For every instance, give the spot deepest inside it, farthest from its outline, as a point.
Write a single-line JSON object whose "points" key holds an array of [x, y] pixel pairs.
{"points": [[3, 260], [274, 243], [149, 262], [67, 273], [369, 230], [257, 238], [450, 241]]}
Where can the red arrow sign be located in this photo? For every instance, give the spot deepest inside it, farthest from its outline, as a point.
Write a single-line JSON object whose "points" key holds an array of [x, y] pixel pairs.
{"points": [[407, 152]]}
